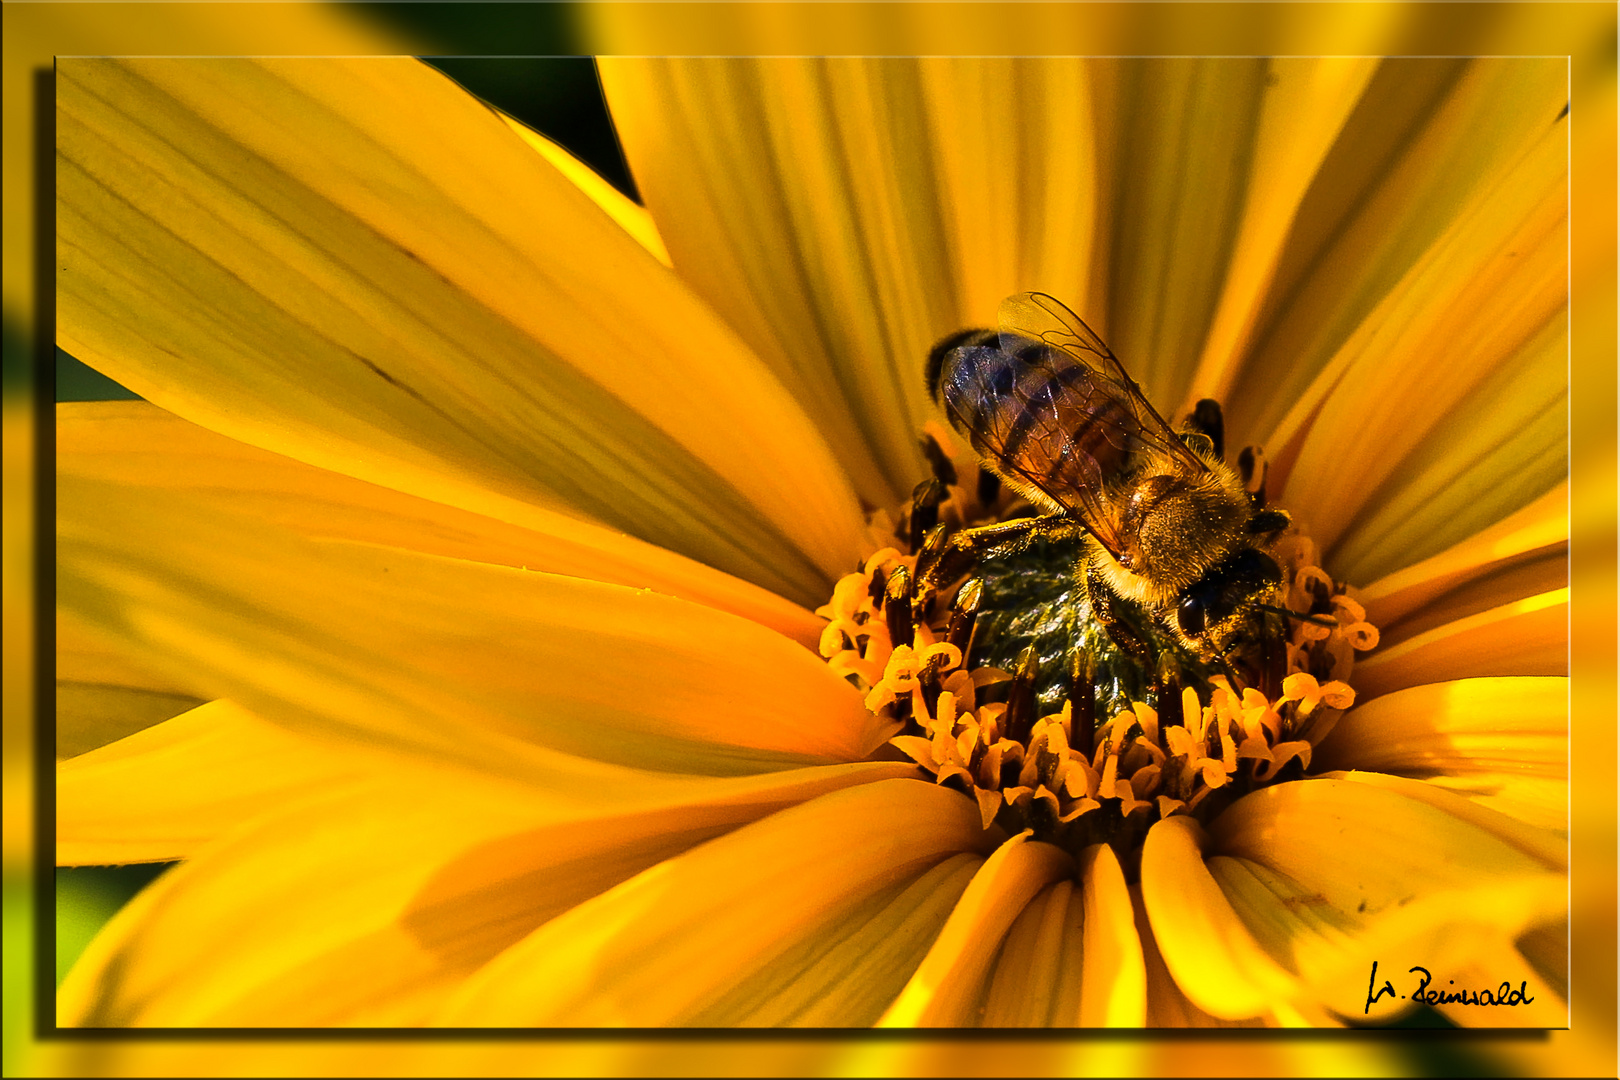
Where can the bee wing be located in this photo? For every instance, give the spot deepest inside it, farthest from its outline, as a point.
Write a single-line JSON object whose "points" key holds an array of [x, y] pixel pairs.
{"points": [[1047, 423], [1045, 319]]}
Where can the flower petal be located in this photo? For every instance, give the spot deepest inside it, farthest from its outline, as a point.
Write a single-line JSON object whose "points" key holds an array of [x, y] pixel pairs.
{"points": [[1014, 145], [1503, 743], [135, 444], [631, 216], [89, 715], [1385, 475], [1113, 992], [1178, 134], [372, 904], [796, 196], [1527, 637], [1547, 845], [1328, 875], [848, 976], [1167, 1006], [1072, 957], [1427, 144], [1304, 110], [1038, 970], [161, 793], [949, 988], [282, 251], [35, 36], [103, 695], [670, 943], [516, 672], [1212, 956], [1524, 554]]}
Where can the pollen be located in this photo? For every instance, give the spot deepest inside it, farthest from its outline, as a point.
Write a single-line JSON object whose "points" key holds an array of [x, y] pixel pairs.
{"points": [[1073, 770]]}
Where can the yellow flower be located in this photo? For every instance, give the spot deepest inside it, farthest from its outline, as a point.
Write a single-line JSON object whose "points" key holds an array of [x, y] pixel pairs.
{"points": [[482, 513]]}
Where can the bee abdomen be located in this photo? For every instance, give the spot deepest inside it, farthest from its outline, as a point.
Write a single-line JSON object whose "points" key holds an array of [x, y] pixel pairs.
{"points": [[1068, 435], [946, 346]]}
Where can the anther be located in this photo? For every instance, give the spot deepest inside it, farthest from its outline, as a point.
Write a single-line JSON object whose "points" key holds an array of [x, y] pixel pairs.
{"points": [[989, 487], [937, 461], [1083, 701], [1206, 417], [928, 556], [925, 500], [897, 608], [1252, 461], [928, 680], [876, 589], [1020, 715], [1166, 686], [966, 609]]}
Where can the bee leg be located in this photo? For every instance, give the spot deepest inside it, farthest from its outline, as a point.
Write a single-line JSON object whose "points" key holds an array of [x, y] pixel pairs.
{"points": [[1101, 599], [940, 563]]}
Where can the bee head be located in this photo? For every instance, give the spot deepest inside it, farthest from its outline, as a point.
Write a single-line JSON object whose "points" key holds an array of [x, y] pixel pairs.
{"points": [[1209, 605], [937, 355]]}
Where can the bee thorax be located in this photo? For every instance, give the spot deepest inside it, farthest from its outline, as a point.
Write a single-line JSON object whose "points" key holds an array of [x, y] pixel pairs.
{"points": [[1175, 527]]}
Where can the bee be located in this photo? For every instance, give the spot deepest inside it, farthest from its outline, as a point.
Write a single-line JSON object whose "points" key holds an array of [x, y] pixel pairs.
{"points": [[1171, 527]]}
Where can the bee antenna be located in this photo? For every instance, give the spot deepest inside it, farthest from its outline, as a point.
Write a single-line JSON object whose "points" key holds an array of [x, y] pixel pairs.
{"points": [[1301, 616]]}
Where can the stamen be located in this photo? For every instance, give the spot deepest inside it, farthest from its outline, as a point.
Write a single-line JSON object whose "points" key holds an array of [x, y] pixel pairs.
{"points": [[929, 553], [925, 500], [989, 487], [1301, 616], [897, 608], [966, 609], [1020, 716], [938, 460], [1082, 701], [1182, 738]]}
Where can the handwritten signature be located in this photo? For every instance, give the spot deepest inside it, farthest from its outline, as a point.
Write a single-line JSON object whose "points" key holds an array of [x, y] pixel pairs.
{"points": [[1505, 994]]}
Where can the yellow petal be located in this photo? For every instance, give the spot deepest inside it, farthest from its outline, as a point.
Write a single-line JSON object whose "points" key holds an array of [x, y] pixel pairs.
{"points": [[1167, 1006], [630, 215], [136, 444], [1041, 952], [949, 988], [89, 715], [1524, 554], [1503, 742], [1527, 637], [103, 694], [35, 36], [1547, 845], [670, 943], [161, 793], [1113, 978], [1306, 105], [1427, 144], [1214, 959], [1466, 476], [1530, 1000], [1328, 875], [1176, 134], [83, 656], [356, 264], [796, 196], [1015, 156], [370, 905], [849, 975], [516, 672], [1460, 370]]}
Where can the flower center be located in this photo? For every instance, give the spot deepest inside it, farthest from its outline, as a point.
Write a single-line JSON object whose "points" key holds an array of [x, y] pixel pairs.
{"points": [[1006, 685]]}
